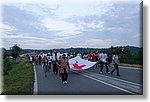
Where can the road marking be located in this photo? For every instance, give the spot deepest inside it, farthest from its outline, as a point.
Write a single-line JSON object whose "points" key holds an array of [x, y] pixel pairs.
{"points": [[114, 86], [35, 89], [131, 87], [116, 78]]}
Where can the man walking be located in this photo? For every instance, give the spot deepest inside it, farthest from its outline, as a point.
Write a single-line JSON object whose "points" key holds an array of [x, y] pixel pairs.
{"points": [[103, 57], [55, 63], [115, 61]]}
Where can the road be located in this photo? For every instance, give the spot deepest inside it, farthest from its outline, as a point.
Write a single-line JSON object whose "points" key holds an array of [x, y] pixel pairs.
{"points": [[91, 82]]}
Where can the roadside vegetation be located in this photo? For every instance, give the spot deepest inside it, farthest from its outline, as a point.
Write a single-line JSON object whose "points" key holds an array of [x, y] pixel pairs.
{"points": [[18, 74], [18, 77]]}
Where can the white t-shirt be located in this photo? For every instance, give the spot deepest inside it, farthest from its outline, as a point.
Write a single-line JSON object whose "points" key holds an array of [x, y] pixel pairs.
{"points": [[30, 58], [115, 59], [58, 56], [103, 57], [53, 57], [85, 57], [49, 58]]}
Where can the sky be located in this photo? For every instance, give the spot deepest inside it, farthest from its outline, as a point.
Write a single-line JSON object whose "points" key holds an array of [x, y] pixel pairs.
{"points": [[48, 24]]}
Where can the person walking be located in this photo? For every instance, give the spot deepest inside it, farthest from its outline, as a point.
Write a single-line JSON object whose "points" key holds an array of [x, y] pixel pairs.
{"points": [[109, 60], [91, 56], [55, 63], [49, 57], [45, 65], [30, 59], [115, 61], [36, 59], [103, 57], [96, 59], [64, 69], [40, 60]]}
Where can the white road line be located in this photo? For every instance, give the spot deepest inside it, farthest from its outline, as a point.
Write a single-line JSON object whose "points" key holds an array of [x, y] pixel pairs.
{"points": [[128, 86], [115, 78], [35, 89], [122, 89]]}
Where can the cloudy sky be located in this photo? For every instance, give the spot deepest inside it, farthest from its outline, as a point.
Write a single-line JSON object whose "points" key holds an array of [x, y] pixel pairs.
{"points": [[46, 24]]}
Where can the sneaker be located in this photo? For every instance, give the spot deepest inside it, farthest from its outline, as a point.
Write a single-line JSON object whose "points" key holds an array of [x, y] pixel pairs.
{"points": [[100, 72], [108, 72], [65, 82]]}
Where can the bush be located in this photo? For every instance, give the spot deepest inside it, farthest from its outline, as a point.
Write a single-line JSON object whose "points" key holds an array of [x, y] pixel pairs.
{"points": [[8, 63]]}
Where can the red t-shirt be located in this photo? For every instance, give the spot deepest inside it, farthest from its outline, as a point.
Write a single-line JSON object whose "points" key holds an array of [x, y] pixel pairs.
{"points": [[91, 56]]}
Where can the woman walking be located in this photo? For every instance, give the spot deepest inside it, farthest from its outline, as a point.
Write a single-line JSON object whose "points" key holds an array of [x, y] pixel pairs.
{"points": [[64, 69]]}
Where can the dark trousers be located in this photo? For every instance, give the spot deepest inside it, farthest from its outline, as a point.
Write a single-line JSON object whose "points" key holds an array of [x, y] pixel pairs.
{"points": [[64, 76], [49, 66], [36, 62], [102, 65], [45, 68], [115, 68], [40, 62], [55, 69]]}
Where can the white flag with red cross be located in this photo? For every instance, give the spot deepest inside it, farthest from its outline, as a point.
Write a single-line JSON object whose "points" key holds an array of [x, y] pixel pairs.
{"points": [[77, 63]]}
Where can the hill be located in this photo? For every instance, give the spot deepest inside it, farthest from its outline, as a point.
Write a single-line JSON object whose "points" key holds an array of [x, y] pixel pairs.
{"points": [[83, 50], [127, 54]]}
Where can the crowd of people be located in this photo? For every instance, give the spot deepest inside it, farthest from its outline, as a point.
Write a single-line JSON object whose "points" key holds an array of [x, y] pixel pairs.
{"points": [[59, 65], [105, 59]]}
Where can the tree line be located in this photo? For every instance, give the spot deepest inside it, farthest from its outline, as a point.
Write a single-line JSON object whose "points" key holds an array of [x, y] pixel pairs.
{"points": [[127, 54]]}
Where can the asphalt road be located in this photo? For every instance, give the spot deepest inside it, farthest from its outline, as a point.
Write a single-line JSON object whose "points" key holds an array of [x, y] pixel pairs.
{"points": [[91, 82]]}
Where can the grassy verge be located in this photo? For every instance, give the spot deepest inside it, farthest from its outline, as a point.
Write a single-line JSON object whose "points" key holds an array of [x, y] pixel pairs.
{"points": [[19, 80]]}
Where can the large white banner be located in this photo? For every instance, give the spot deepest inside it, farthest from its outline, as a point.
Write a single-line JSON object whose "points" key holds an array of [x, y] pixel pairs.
{"points": [[77, 63]]}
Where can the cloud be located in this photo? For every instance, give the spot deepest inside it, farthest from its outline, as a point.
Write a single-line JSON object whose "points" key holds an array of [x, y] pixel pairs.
{"points": [[24, 22], [69, 1], [31, 42], [58, 24], [93, 24], [65, 28], [94, 43], [135, 36], [39, 10], [5, 28], [19, 19]]}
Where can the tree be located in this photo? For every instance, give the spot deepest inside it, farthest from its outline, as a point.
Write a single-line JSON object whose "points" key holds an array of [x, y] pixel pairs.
{"points": [[15, 51], [3, 52], [111, 49]]}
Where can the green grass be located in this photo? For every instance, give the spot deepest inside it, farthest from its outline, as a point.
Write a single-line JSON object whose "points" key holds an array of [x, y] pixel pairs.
{"points": [[19, 80]]}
